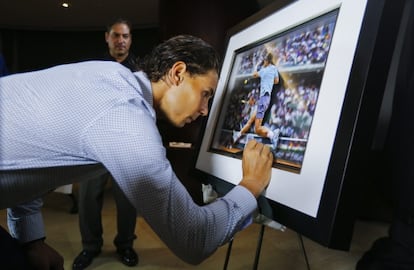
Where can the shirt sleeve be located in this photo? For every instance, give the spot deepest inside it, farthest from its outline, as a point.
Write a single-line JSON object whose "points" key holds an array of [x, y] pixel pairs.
{"points": [[25, 221], [134, 154]]}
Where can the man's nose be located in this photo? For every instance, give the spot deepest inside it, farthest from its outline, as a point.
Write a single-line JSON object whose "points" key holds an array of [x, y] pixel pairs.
{"points": [[204, 109]]}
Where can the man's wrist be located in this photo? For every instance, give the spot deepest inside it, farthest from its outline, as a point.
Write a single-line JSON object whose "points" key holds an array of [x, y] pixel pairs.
{"points": [[251, 186]]}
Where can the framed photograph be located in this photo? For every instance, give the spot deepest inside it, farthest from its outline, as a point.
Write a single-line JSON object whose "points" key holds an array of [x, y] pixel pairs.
{"points": [[296, 79]]}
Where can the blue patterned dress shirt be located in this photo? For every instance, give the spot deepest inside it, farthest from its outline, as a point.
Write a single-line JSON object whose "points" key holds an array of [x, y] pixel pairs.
{"points": [[99, 112]]}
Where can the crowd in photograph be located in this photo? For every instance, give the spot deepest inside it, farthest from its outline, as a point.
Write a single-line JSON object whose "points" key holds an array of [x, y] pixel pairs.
{"points": [[299, 48]]}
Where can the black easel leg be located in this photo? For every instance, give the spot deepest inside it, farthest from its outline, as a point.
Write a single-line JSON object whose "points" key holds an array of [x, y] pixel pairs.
{"points": [[259, 247], [304, 251], [226, 262]]}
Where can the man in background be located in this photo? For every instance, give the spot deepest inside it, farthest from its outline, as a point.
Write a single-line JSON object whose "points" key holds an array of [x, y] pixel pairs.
{"points": [[119, 39], [91, 193]]}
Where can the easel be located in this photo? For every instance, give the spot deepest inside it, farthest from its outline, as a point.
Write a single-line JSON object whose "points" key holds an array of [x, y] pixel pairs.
{"points": [[264, 222], [264, 210]]}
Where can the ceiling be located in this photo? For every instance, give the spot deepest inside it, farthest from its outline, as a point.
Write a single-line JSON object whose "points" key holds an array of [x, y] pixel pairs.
{"points": [[81, 15]]}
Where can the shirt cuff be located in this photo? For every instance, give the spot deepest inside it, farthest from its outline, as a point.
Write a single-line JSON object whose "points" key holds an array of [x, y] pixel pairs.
{"points": [[249, 205], [27, 228]]}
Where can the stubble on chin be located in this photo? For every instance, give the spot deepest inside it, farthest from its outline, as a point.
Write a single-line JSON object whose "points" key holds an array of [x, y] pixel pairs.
{"points": [[161, 115]]}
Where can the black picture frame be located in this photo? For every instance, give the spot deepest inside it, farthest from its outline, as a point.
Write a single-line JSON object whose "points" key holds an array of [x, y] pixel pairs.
{"points": [[319, 200]]}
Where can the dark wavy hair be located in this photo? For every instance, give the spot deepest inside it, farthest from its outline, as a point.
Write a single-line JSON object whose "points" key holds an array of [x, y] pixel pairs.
{"points": [[199, 56]]}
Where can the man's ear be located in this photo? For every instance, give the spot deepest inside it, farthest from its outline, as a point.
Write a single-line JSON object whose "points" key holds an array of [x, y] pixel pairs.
{"points": [[177, 72], [106, 36]]}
